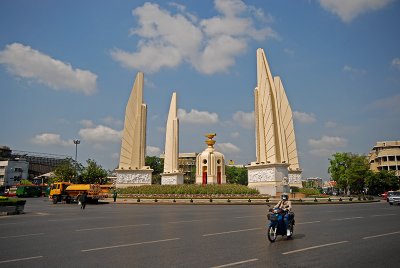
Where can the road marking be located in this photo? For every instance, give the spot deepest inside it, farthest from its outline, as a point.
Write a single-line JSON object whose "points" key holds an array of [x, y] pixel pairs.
{"points": [[373, 236], [129, 245], [241, 217], [16, 236], [383, 215], [235, 231], [307, 222], [183, 221], [344, 219], [112, 227], [22, 259], [314, 247], [235, 263], [76, 219]]}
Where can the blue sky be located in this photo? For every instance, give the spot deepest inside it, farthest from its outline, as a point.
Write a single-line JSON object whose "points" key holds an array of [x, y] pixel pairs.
{"points": [[67, 69]]}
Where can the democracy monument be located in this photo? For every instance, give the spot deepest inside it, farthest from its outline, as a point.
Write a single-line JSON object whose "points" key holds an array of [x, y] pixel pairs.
{"points": [[276, 166]]}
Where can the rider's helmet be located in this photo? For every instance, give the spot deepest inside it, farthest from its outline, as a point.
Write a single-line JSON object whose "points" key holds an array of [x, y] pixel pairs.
{"points": [[284, 197]]}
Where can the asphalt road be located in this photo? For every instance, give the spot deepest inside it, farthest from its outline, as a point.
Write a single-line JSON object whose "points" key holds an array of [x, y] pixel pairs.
{"points": [[126, 235]]}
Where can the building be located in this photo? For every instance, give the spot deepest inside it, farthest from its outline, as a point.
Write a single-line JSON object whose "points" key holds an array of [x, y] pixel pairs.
{"points": [[385, 156], [313, 182], [13, 171], [187, 165]]}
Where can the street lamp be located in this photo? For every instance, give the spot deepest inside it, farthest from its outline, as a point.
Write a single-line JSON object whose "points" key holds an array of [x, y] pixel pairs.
{"points": [[76, 142]]}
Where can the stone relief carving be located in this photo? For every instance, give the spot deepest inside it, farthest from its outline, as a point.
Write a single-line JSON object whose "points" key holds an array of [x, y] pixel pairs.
{"points": [[169, 180], [294, 178], [262, 175], [137, 178]]}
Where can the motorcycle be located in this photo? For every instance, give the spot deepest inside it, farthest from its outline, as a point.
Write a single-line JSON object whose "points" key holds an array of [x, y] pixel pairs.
{"points": [[277, 226]]}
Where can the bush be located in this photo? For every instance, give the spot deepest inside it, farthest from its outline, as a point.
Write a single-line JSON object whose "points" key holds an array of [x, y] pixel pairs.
{"points": [[12, 202], [309, 191], [190, 189]]}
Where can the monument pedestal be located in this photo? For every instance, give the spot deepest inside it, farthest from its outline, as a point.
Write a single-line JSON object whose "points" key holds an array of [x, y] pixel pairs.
{"points": [[295, 178], [133, 177], [268, 178], [171, 178]]}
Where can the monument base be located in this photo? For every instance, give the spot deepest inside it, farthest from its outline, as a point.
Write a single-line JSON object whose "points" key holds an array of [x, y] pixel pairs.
{"points": [[271, 179], [171, 178], [295, 178], [136, 177]]}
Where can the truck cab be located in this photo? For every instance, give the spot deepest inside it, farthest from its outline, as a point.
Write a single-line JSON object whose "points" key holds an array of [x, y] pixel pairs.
{"points": [[57, 192]]}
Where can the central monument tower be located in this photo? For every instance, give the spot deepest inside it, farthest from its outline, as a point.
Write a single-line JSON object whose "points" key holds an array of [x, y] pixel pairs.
{"points": [[276, 164]]}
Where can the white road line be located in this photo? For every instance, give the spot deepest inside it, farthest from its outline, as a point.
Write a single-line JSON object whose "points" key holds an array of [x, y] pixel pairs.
{"points": [[112, 227], [307, 222], [16, 236], [183, 221], [129, 245], [314, 247], [76, 219], [383, 215], [344, 219], [234, 263], [22, 259], [241, 217], [235, 231], [373, 236]]}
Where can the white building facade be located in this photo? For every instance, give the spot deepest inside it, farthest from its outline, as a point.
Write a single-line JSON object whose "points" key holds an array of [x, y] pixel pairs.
{"points": [[13, 171]]}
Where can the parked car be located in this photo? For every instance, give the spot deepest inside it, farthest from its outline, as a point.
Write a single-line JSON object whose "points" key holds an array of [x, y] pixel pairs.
{"points": [[394, 198]]}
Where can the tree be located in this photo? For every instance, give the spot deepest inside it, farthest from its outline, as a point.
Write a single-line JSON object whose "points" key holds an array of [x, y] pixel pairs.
{"points": [[236, 175], [67, 171], [157, 165], [382, 181], [93, 173], [349, 171], [25, 182]]}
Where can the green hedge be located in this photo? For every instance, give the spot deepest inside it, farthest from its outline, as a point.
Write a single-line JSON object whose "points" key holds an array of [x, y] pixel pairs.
{"points": [[309, 191], [12, 202], [190, 189]]}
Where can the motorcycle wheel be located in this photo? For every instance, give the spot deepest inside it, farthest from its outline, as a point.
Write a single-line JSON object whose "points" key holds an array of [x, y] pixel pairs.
{"points": [[271, 234], [291, 232]]}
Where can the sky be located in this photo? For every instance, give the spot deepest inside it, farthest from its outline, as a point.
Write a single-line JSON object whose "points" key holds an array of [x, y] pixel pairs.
{"points": [[67, 69]]}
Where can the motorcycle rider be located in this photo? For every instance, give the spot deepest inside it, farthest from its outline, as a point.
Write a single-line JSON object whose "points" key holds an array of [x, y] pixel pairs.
{"points": [[286, 206]]}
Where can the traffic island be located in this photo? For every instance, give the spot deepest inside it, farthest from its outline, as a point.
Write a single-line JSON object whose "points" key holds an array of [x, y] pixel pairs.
{"points": [[227, 200], [11, 206]]}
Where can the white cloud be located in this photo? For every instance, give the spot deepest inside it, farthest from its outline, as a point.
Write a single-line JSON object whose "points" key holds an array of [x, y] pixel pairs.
{"points": [[330, 124], [326, 146], [209, 45], [235, 134], [153, 151], [86, 123], [353, 71], [197, 117], [23, 61], [50, 139], [111, 121], [304, 118], [115, 156], [100, 134], [245, 120], [389, 104], [227, 147], [396, 63], [348, 10]]}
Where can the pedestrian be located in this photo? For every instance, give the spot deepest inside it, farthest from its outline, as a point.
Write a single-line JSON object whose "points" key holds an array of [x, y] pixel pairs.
{"points": [[115, 195], [83, 200]]}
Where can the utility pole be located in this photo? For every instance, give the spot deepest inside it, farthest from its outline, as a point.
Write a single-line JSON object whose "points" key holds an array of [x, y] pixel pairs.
{"points": [[76, 142]]}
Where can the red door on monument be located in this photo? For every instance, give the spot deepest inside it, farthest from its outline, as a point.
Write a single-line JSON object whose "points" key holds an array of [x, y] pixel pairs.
{"points": [[204, 175], [219, 175]]}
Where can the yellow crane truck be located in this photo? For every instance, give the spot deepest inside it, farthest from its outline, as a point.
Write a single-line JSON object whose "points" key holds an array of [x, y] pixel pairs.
{"points": [[68, 192]]}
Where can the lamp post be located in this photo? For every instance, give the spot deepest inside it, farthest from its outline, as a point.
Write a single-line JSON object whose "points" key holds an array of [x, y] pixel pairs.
{"points": [[76, 142]]}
